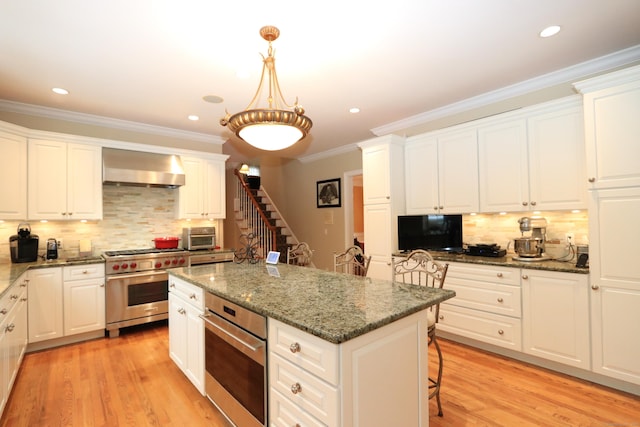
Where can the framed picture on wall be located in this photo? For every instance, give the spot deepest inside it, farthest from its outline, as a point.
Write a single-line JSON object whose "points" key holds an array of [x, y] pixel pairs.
{"points": [[328, 193]]}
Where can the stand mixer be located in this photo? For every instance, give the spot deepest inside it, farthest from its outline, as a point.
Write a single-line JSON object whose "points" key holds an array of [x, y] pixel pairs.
{"points": [[532, 247]]}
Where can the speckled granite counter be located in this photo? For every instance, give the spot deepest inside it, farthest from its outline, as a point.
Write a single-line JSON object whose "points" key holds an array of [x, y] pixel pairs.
{"points": [[10, 272], [507, 261], [334, 306]]}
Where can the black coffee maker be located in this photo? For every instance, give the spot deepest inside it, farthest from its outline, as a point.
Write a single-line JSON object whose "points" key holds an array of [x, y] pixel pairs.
{"points": [[24, 245]]}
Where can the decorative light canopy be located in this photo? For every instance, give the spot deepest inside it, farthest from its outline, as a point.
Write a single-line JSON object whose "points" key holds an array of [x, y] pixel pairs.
{"points": [[274, 127]]}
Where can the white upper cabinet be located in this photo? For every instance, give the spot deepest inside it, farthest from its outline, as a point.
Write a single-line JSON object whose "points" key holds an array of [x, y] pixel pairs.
{"points": [[442, 172], [203, 195], [612, 128], [13, 174], [533, 160], [383, 170], [65, 180]]}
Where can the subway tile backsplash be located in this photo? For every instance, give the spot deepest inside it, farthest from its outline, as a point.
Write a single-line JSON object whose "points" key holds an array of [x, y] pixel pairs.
{"points": [[132, 217]]}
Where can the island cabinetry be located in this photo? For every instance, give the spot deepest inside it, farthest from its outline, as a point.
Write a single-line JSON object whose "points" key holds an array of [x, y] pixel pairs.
{"points": [[84, 298], [186, 330], [203, 195], [314, 382], [13, 335], [437, 165], [611, 111], [487, 306], [555, 318], [65, 180], [383, 194], [13, 175], [533, 160]]}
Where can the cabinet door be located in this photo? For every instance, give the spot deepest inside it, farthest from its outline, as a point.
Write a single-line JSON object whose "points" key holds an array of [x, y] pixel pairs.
{"points": [[45, 304], [557, 175], [376, 174], [177, 331], [615, 282], [555, 316], [84, 182], [458, 172], [84, 306], [195, 349], [377, 222], [612, 133], [191, 204], [421, 176], [47, 180], [503, 168], [214, 190], [13, 175]]}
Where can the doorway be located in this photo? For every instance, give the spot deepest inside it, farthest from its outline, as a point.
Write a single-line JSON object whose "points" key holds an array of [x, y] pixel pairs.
{"points": [[353, 208]]}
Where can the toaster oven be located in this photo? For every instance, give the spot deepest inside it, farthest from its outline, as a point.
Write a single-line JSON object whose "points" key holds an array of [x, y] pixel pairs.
{"points": [[195, 238]]}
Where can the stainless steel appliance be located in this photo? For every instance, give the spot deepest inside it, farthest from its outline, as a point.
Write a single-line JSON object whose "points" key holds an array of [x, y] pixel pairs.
{"points": [[209, 257], [531, 247], [236, 361], [137, 285], [199, 238], [52, 249], [24, 245]]}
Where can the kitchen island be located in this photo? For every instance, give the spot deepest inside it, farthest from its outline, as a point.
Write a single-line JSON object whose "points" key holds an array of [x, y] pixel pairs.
{"points": [[372, 335]]}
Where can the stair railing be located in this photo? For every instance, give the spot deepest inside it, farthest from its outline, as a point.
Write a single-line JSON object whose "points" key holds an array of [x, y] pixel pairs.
{"points": [[281, 218], [256, 221]]}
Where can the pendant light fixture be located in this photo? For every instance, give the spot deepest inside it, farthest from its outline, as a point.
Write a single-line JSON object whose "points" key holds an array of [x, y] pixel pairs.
{"points": [[278, 125]]}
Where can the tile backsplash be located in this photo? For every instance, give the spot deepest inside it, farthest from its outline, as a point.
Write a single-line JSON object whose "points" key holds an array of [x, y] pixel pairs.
{"points": [[132, 217]]}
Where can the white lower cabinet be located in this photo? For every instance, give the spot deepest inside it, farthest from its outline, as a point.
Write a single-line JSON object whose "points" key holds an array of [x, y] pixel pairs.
{"points": [[13, 335], [555, 316], [313, 382], [487, 305], [66, 301], [186, 330]]}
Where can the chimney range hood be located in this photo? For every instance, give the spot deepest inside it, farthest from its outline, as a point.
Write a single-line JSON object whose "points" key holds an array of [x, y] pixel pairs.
{"points": [[138, 168]]}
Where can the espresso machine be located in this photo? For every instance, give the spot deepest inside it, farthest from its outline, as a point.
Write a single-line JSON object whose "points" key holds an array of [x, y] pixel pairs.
{"points": [[531, 247]]}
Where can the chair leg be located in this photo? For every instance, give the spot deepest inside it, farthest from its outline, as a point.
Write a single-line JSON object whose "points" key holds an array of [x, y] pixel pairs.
{"points": [[434, 384]]}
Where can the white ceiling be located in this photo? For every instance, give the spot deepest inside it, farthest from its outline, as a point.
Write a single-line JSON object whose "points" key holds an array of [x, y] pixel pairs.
{"points": [[152, 61]]}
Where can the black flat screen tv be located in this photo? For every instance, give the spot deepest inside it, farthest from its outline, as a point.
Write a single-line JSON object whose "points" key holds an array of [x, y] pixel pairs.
{"points": [[430, 232]]}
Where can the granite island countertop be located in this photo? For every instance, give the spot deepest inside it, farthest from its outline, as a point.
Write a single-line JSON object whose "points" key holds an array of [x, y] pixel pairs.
{"points": [[336, 307]]}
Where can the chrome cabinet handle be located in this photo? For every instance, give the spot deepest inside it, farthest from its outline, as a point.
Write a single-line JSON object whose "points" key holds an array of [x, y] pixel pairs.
{"points": [[295, 347], [525, 277], [500, 332], [533, 203], [499, 274], [181, 310], [500, 300], [23, 299], [441, 317], [592, 179], [3, 311], [524, 203], [594, 287], [14, 297], [10, 327], [192, 296], [173, 285], [296, 388]]}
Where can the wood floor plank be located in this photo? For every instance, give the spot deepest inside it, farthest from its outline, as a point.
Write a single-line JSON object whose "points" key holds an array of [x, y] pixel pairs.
{"points": [[131, 381]]}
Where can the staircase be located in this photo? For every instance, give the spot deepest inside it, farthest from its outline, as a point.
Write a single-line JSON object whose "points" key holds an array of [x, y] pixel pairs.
{"points": [[255, 213]]}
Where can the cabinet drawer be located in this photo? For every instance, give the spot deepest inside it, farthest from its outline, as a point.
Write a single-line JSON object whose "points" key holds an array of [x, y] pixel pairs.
{"points": [[314, 396], [314, 354], [494, 329], [81, 272], [193, 294], [484, 273], [11, 297], [284, 413], [485, 296]]}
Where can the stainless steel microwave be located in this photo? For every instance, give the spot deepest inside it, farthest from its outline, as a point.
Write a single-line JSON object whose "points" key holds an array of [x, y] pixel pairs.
{"points": [[199, 238]]}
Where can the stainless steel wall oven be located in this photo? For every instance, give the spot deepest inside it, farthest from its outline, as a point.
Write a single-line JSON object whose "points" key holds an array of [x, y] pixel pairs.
{"points": [[236, 361]]}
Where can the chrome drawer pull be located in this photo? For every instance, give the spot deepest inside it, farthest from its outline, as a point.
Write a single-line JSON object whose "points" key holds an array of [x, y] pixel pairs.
{"points": [[295, 347], [500, 299], [500, 332]]}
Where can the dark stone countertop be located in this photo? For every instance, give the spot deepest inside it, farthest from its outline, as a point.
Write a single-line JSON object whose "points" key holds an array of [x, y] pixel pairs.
{"points": [[336, 307]]}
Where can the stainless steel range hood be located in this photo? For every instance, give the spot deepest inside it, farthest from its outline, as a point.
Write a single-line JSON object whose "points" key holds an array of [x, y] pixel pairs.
{"points": [[126, 167]]}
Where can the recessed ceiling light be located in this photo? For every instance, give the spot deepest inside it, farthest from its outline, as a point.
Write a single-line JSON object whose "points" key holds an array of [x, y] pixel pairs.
{"points": [[354, 110], [60, 91], [193, 117], [214, 99], [550, 31]]}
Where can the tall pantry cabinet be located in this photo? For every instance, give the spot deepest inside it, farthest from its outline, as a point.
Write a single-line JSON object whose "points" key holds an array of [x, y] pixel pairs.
{"points": [[384, 200], [612, 132]]}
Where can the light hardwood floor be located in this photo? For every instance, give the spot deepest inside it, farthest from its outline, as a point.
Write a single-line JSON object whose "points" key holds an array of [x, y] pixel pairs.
{"points": [[130, 381]]}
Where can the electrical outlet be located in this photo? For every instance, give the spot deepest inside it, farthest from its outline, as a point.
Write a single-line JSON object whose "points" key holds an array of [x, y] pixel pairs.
{"points": [[569, 238], [59, 243]]}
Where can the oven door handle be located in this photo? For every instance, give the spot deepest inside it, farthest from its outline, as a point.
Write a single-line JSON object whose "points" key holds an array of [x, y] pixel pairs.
{"points": [[210, 320]]}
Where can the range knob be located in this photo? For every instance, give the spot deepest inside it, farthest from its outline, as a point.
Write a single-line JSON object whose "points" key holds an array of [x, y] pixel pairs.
{"points": [[158, 264], [182, 261], [167, 262], [133, 265], [125, 266], [174, 261], [116, 267]]}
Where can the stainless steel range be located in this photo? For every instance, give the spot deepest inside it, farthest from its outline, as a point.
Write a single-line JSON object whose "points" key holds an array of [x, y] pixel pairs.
{"points": [[137, 285]]}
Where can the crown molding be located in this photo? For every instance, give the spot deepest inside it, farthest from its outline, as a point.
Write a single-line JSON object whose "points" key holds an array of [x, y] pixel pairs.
{"points": [[569, 74], [90, 119], [329, 153]]}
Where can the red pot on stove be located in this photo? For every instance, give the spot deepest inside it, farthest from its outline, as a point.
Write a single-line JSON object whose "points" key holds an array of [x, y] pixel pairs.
{"points": [[166, 242]]}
